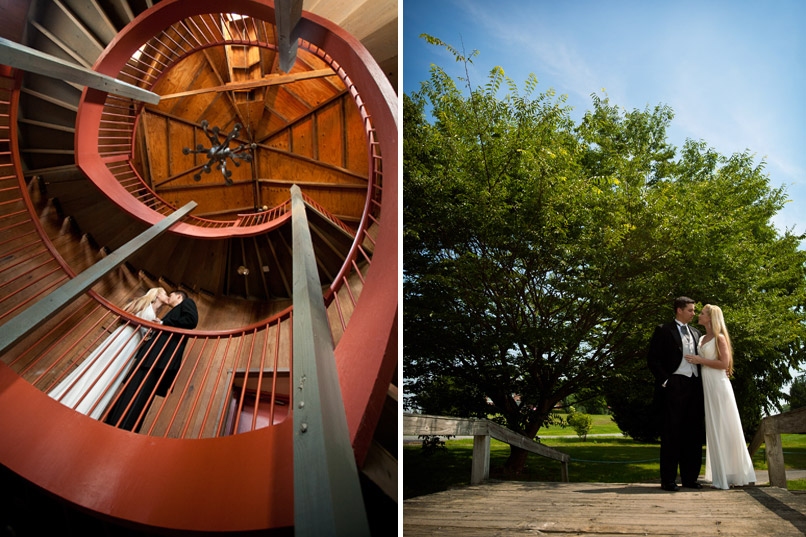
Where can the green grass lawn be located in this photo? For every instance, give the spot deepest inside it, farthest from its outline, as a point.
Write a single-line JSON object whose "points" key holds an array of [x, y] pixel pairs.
{"points": [[602, 424], [603, 460]]}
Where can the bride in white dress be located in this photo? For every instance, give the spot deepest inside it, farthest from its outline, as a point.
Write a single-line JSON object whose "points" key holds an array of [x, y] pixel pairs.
{"points": [[727, 461], [92, 385]]}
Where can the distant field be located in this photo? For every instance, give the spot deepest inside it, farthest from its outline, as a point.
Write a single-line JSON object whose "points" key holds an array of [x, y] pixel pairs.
{"points": [[602, 424]]}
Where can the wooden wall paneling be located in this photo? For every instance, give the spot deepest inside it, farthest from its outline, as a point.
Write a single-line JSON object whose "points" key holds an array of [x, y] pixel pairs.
{"points": [[221, 200], [330, 134], [180, 136], [302, 138], [261, 274], [288, 105], [357, 158], [313, 62], [344, 134], [314, 91], [140, 160], [153, 132], [177, 261], [199, 274], [153, 260], [281, 140]]}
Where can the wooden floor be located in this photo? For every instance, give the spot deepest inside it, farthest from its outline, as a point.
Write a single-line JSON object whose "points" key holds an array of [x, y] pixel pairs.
{"points": [[602, 509]]}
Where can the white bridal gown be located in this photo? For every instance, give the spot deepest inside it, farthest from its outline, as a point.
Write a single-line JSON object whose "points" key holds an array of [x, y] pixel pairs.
{"points": [[105, 367], [727, 461]]}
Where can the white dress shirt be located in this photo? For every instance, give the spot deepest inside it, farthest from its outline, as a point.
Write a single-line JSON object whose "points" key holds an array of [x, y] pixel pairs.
{"points": [[685, 368]]}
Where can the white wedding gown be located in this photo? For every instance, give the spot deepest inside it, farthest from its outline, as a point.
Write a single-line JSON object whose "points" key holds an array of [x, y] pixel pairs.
{"points": [[727, 461], [106, 367]]}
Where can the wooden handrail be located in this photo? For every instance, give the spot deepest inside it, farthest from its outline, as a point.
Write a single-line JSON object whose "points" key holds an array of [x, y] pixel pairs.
{"points": [[36, 315], [481, 430], [327, 493], [769, 434]]}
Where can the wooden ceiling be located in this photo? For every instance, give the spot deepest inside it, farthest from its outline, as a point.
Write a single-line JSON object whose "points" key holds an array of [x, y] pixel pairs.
{"points": [[301, 128]]}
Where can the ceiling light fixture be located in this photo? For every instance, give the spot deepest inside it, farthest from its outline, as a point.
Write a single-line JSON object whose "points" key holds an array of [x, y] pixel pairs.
{"points": [[218, 153]]}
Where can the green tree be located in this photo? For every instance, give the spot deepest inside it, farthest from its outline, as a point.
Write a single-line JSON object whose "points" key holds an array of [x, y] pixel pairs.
{"points": [[582, 424], [797, 393], [539, 253]]}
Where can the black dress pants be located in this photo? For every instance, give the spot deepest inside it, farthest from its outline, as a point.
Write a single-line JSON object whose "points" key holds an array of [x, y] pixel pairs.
{"points": [[683, 429]]}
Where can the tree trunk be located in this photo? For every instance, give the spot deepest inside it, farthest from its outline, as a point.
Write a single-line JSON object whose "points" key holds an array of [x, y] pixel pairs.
{"points": [[516, 460]]}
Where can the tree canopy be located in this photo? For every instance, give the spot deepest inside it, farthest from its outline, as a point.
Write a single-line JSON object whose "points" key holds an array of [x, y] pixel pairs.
{"points": [[540, 252]]}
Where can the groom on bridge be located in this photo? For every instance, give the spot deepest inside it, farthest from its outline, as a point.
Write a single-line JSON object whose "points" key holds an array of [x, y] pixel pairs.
{"points": [[678, 397]]}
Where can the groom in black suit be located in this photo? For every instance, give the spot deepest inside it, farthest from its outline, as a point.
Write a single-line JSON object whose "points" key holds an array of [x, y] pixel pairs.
{"points": [[160, 357], [678, 396]]}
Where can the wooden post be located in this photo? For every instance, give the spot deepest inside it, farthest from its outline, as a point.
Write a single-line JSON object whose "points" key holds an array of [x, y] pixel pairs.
{"points": [[327, 493], [28, 59], [288, 14], [30, 319], [481, 459], [775, 458]]}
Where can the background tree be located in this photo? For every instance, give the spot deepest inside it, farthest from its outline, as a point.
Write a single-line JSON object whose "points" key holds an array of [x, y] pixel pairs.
{"points": [[797, 393], [539, 253]]}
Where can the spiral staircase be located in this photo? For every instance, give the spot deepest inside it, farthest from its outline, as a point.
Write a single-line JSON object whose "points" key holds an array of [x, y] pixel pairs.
{"points": [[84, 172]]}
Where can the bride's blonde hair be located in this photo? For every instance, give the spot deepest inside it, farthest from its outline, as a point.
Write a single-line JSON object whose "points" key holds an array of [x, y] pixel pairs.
{"points": [[718, 327], [139, 304]]}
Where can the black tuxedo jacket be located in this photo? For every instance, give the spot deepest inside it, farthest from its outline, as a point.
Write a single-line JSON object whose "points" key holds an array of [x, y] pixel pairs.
{"points": [[666, 351], [185, 315], [167, 349]]}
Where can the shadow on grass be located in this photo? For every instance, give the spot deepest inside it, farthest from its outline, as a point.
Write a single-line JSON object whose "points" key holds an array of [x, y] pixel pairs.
{"points": [[617, 460]]}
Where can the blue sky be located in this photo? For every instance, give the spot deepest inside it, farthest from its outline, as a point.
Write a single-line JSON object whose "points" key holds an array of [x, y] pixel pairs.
{"points": [[734, 72]]}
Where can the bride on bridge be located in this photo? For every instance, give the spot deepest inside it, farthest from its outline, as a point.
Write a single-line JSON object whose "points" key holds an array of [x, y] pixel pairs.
{"points": [[727, 461]]}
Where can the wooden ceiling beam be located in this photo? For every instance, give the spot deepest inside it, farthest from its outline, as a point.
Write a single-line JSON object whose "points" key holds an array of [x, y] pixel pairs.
{"points": [[220, 79], [268, 80], [202, 186], [303, 117], [312, 161], [15, 55], [314, 184]]}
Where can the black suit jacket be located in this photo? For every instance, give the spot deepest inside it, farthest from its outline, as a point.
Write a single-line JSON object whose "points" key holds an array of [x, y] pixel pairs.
{"points": [[666, 351], [185, 315]]}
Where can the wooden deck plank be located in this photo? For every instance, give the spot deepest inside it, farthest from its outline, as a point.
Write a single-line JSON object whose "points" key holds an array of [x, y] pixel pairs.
{"points": [[515, 508]]}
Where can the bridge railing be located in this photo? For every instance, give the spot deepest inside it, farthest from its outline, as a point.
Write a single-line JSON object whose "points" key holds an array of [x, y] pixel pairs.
{"points": [[482, 431], [769, 434]]}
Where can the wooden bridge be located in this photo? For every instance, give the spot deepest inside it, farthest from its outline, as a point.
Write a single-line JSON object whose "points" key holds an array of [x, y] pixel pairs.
{"points": [[492, 508], [601, 509]]}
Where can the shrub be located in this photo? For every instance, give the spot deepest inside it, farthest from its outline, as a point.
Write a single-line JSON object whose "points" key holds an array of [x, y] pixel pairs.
{"points": [[582, 424]]}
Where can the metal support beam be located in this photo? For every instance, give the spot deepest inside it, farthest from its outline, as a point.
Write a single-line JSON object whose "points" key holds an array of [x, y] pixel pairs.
{"points": [[287, 13], [327, 493], [28, 59], [30, 319]]}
